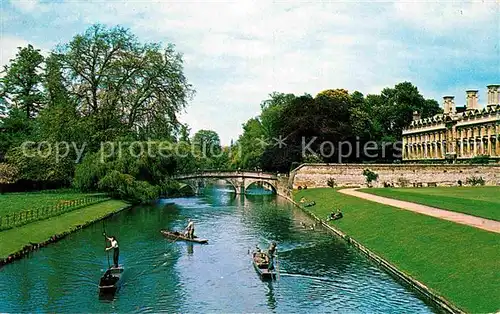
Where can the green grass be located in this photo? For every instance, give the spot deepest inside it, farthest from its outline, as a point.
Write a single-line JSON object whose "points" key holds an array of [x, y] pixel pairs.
{"points": [[481, 201], [15, 239], [15, 202], [459, 262]]}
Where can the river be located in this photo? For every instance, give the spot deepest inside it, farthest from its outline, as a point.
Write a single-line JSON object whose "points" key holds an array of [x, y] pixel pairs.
{"points": [[318, 272]]}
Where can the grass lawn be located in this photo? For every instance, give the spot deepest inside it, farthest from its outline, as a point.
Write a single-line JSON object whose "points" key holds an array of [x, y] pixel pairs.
{"points": [[13, 240], [481, 201], [459, 262], [16, 202]]}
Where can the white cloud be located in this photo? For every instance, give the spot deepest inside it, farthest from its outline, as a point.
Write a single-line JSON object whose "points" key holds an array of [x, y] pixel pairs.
{"points": [[8, 48], [439, 16], [25, 5], [237, 53]]}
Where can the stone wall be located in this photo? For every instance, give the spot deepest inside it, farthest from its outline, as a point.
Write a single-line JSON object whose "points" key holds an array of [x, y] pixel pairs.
{"points": [[351, 175], [282, 187]]}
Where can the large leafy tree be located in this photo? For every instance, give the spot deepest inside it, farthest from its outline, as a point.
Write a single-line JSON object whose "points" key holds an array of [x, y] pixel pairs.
{"points": [[207, 143], [124, 85], [394, 109], [250, 145], [60, 120], [22, 84]]}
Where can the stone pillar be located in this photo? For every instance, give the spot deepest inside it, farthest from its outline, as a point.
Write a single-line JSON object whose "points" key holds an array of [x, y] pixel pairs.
{"points": [[497, 146], [488, 133], [241, 186], [405, 147]]}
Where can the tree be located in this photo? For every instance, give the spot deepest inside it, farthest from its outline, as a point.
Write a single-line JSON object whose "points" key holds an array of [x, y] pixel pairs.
{"points": [[8, 175], [270, 117], [22, 83], [207, 143], [59, 121], [3, 108], [123, 85], [396, 107], [16, 128], [250, 145]]}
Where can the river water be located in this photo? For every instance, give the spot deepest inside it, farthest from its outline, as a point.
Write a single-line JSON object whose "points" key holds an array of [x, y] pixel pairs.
{"points": [[318, 272]]}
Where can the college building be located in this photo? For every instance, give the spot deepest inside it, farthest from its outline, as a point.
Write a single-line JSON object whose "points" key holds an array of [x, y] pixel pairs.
{"points": [[459, 134]]}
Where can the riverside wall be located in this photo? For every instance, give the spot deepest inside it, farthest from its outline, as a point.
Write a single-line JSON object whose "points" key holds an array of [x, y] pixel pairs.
{"points": [[397, 175]]}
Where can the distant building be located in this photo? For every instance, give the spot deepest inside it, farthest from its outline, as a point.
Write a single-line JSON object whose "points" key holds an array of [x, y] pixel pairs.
{"points": [[459, 134]]}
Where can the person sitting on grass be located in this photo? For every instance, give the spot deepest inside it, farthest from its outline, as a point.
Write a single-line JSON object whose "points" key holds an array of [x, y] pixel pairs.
{"points": [[335, 215]]}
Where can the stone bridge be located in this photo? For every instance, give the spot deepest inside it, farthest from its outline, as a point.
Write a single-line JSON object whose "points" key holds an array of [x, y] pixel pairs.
{"points": [[240, 180]]}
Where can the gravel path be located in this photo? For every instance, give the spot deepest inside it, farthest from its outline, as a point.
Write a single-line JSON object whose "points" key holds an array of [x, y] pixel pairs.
{"points": [[464, 219]]}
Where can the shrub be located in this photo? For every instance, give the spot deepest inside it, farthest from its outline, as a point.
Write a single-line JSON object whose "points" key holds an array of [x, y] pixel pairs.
{"points": [[331, 182], [480, 160], [370, 176], [312, 159], [475, 181], [8, 173]]}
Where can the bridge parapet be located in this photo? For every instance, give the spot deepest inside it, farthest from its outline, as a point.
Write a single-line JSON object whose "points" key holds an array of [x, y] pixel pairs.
{"points": [[228, 174]]}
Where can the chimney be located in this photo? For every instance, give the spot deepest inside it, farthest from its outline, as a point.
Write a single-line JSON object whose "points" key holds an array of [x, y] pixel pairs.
{"points": [[449, 105], [471, 98], [416, 116], [493, 94]]}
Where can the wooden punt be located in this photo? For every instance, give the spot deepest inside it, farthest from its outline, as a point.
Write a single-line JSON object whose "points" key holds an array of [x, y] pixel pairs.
{"points": [[110, 281], [179, 236], [260, 263]]}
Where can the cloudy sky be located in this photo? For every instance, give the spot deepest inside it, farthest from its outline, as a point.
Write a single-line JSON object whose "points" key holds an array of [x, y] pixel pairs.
{"points": [[236, 53]]}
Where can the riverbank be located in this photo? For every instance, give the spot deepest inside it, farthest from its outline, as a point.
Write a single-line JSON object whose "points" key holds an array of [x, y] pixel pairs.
{"points": [[480, 201], [17, 242], [459, 263]]}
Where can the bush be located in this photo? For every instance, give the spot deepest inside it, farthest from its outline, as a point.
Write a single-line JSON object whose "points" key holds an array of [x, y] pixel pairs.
{"points": [[370, 176], [313, 159], [403, 182], [480, 160], [331, 182], [475, 181], [125, 187]]}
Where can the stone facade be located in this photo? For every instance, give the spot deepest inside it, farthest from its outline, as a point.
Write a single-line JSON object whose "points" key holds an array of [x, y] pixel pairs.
{"points": [[460, 133], [351, 175]]}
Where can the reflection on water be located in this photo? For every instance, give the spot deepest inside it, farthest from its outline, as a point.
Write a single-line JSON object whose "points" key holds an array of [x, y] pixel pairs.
{"points": [[318, 273]]}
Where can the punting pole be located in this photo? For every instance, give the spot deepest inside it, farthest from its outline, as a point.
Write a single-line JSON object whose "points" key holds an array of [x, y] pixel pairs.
{"points": [[107, 252], [277, 267]]}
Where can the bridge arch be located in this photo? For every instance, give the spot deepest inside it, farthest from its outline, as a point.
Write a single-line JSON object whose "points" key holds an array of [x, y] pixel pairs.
{"points": [[253, 182], [227, 180]]}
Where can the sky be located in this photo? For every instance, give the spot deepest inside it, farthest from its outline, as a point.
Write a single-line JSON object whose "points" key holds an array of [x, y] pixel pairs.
{"points": [[237, 53]]}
